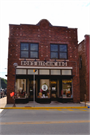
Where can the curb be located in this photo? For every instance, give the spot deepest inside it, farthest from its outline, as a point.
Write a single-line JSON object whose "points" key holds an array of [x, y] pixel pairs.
{"points": [[35, 108]]}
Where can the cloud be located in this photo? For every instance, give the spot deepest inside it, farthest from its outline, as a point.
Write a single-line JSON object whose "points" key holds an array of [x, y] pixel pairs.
{"points": [[88, 4]]}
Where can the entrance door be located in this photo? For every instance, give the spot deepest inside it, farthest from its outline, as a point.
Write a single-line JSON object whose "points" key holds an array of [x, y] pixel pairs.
{"points": [[53, 89]]}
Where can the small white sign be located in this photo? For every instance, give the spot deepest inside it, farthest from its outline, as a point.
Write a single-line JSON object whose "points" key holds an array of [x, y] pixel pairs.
{"points": [[53, 88], [44, 87]]}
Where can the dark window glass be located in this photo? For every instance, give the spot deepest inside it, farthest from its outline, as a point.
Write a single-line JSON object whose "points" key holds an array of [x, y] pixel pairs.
{"points": [[24, 46], [24, 50], [54, 48], [54, 55], [29, 50], [34, 55], [63, 48], [59, 51], [63, 55], [33, 50], [24, 54], [34, 47]]}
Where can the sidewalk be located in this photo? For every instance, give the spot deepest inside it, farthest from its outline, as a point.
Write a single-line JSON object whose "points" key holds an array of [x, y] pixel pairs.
{"points": [[3, 102], [35, 105]]}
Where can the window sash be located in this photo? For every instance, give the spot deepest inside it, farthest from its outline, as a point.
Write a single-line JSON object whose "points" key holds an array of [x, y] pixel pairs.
{"points": [[24, 46], [27, 51], [24, 54], [61, 53]]}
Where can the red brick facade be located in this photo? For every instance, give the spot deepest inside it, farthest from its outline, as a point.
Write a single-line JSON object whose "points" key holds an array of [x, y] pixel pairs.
{"points": [[43, 33], [84, 49]]}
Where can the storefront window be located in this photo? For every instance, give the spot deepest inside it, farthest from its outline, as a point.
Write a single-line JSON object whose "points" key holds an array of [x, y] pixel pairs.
{"points": [[30, 72], [55, 72], [44, 91], [66, 91], [66, 72], [44, 72], [21, 88], [20, 71]]}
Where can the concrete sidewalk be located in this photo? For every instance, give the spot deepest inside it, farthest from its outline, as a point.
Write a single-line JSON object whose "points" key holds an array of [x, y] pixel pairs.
{"points": [[35, 105], [3, 102]]}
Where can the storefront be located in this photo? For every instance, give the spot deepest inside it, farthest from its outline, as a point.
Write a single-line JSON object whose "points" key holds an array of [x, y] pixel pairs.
{"points": [[51, 83], [50, 50]]}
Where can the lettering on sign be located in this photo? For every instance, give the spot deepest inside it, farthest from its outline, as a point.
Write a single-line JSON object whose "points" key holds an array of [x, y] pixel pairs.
{"points": [[42, 63]]}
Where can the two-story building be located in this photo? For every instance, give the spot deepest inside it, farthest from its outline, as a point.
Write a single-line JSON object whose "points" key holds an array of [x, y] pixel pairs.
{"points": [[50, 51]]}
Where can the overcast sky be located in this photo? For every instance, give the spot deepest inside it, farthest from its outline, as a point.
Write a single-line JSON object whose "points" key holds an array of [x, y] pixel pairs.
{"points": [[70, 13]]}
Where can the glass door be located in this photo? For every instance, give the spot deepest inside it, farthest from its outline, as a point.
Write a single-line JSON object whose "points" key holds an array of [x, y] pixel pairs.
{"points": [[44, 91], [53, 89]]}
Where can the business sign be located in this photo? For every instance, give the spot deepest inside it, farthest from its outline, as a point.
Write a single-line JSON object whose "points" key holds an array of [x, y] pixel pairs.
{"points": [[42, 63], [44, 87]]}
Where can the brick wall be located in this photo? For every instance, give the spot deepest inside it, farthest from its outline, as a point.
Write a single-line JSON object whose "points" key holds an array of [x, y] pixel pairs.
{"points": [[44, 34], [83, 50], [87, 42]]}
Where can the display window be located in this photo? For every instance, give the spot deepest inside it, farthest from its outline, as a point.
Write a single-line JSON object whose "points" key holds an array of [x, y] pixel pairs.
{"points": [[21, 88], [44, 91], [66, 91]]}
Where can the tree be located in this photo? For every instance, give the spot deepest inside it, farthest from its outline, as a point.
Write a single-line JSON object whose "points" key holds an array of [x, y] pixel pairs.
{"points": [[3, 83]]}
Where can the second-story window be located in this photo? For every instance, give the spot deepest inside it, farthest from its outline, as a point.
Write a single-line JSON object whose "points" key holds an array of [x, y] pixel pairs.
{"points": [[33, 50], [24, 50], [58, 51], [29, 50]]}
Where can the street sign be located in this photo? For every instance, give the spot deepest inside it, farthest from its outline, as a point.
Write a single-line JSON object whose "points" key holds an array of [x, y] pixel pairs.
{"points": [[34, 70]]}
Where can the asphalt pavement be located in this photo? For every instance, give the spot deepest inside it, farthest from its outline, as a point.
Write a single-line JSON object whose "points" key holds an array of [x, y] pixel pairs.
{"points": [[47, 122], [55, 118]]}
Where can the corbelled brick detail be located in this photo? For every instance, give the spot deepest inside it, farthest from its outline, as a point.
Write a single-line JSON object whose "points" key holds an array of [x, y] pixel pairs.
{"points": [[44, 34]]}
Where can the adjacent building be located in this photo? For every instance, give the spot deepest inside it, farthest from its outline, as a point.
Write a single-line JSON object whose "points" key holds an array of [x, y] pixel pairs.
{"points": [[84, 69], [48, 63]]}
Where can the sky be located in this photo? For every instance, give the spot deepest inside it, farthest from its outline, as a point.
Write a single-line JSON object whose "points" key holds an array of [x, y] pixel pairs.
{"points": [[70, 13]]}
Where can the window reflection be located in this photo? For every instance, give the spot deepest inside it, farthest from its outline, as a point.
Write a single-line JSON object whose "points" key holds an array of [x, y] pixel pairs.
{"points": [[24, 54], [44, 91], [29, 50], [34, 54], [34, 47], [24, 46], [60, 53], [63, 48], [54, 55], [63, 55], [66, 91], [21, 88], [54, 47]]}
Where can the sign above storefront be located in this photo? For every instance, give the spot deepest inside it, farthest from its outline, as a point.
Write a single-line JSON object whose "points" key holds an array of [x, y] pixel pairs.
{"points": [[42, 63]]}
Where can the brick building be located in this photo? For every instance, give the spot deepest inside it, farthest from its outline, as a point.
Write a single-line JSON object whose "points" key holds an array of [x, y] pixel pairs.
{"points": [[53, 52], [84, 49]]}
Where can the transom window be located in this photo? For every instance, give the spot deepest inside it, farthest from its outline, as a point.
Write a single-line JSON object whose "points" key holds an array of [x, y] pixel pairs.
{"points": [[29, 50], [58, 51]]}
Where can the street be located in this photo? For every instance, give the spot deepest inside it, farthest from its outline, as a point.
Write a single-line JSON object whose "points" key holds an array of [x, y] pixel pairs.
{"points": [[49, 121]]}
